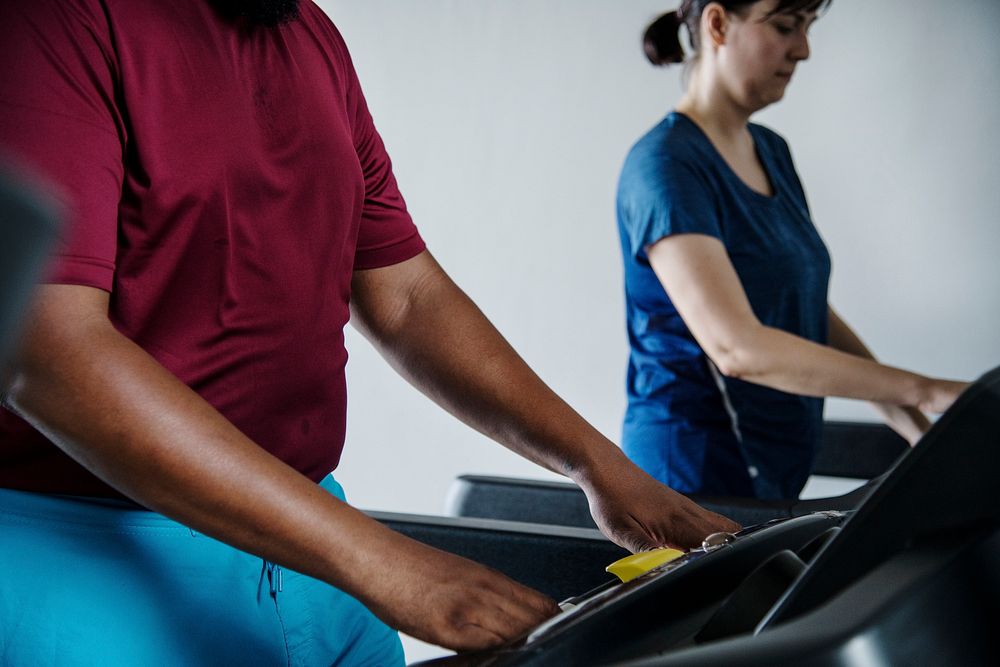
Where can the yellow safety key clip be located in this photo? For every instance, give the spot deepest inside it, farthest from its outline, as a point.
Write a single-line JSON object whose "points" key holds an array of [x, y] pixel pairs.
{"points": [[630, 567]]}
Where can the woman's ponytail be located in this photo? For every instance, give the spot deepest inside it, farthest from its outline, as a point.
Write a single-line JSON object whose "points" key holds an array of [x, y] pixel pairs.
{"points": [[662, 40]]}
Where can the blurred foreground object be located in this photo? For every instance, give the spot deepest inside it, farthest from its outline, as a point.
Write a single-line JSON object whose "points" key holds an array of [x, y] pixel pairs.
{"points": [[27, 230]]}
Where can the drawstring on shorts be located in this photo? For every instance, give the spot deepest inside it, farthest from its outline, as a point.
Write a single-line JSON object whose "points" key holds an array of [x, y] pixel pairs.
{"points": [[275, 579]]}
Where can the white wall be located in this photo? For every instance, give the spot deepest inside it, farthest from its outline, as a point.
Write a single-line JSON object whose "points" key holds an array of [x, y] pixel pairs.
{"points": [[508, 120]]}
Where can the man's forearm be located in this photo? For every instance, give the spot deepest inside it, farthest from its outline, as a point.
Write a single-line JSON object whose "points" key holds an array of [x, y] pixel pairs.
{"points": [[444, 345], [114, 409], [436, 337]]}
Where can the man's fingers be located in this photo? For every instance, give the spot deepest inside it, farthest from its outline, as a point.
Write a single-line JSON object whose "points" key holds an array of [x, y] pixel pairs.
{"points": [[487, 609], [493, 622], [716, 522], [517, 611], [703, 523], [683, 527]]}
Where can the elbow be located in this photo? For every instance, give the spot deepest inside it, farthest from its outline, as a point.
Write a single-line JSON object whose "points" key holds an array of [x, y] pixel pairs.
{"points": [[731, 363], [22, 378], [735, 357]]}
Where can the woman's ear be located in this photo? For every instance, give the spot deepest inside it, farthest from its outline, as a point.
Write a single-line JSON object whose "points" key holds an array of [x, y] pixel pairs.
{"points": [[715, 23]]}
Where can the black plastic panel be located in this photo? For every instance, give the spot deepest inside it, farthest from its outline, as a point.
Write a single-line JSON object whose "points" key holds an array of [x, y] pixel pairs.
{"points": [[556, 560], [850, 449], [910, 576]]}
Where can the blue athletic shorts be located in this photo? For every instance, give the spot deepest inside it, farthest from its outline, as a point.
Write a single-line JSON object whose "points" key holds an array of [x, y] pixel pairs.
{"points": [[98, 582]]}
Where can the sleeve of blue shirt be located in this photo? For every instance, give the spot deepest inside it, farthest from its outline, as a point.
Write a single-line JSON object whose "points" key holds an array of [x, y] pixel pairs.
{"points": [[660, 195]]}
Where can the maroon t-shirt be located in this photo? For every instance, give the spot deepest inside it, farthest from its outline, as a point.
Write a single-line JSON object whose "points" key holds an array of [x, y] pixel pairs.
{"points": [[222, 183]]}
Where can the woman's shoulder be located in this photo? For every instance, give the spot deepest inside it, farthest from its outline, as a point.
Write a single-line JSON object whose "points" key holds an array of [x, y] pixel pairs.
{"points": [[675, 136], [671, 161], [675, 143]]}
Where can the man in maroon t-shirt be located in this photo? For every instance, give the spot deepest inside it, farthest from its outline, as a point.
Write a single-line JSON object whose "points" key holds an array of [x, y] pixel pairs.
{"points": [[231, 206]]}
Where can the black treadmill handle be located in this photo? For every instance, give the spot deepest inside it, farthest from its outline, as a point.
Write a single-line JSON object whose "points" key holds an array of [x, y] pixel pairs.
{"points": [[842, 503]]}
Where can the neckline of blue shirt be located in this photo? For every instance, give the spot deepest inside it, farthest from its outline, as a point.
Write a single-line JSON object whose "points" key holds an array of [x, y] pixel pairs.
{"points": [[764, 158]]}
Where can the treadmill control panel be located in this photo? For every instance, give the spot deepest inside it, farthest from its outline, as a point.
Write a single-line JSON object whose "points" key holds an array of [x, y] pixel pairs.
{"points": [[650, 569]]}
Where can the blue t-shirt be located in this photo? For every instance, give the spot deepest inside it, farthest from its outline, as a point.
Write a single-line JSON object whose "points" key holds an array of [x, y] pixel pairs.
{"points": [[687, 424]]}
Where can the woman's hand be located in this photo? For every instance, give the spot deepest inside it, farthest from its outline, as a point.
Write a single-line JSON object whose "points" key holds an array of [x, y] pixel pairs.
{"points": [[940, 394]]}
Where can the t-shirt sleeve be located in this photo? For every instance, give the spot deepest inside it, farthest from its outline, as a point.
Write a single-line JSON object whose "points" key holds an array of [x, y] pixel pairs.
{"points": [[58, 118], [387, 234], [659, 196]]}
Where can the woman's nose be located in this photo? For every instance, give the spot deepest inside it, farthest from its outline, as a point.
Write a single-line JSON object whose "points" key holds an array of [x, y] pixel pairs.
{"points": [[800, 50]]}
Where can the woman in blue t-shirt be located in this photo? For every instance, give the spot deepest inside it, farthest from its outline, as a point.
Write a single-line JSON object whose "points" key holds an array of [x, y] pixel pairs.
{"points": [[733, 343]]}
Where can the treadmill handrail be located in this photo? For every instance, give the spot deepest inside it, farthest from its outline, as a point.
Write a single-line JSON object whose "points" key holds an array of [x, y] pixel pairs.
{"points": [[946, 482]]}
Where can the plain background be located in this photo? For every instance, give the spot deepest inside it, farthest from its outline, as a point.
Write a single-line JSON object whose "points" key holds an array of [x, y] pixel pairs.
{"points": [[508, 120]]}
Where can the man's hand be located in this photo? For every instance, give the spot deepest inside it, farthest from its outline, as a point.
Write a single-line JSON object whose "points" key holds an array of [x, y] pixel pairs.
{"points": [[435, 336], [639, 513], [443, 599], [113, 408]]}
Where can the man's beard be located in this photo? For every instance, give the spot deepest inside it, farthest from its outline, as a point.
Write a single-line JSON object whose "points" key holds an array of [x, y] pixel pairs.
{"points": [[268, 13]]}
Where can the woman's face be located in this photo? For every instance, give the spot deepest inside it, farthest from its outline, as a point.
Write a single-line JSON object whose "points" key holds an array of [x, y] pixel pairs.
{"points": [[760, 53]]}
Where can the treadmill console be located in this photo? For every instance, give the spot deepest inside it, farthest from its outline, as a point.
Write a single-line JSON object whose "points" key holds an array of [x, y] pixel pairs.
{"points": [[828, 588]]}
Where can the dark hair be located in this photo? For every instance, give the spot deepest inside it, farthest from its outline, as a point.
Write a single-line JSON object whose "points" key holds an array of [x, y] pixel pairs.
{"points": [[662, 40], [267, 13]]}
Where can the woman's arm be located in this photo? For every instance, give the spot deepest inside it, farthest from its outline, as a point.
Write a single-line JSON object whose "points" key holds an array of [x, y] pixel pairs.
{"points": [[697, 274], [909, 422]]}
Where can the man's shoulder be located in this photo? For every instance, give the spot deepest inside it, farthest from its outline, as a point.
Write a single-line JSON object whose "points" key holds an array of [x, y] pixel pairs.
{"points": [[52, 17], [317, 20]]}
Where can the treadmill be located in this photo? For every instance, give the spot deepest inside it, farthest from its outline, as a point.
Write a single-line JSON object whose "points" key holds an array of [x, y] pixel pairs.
{"points": [[911, 576]]}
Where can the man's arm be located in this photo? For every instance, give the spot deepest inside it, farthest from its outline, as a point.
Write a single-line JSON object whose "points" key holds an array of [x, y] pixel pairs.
{"points": [[909, 422], [434, 336], [114, 409]]}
